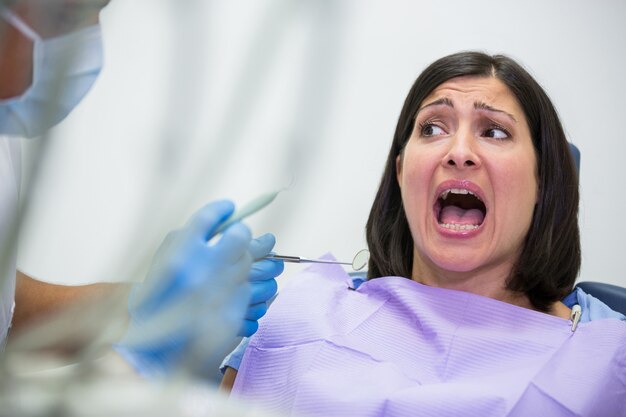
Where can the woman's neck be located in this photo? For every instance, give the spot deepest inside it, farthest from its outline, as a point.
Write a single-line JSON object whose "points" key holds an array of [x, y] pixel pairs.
{"points": [[488, 281]]}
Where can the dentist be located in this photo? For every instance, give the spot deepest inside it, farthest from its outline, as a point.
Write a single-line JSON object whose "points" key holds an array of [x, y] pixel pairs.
{"points": [[50, 56]]}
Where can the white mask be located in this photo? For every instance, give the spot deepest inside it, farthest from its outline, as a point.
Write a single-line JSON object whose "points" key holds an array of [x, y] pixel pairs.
{"points": [[64, 69]]}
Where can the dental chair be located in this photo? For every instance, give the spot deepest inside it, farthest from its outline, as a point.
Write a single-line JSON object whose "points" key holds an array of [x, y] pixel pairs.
{"points": [[611, 295]]}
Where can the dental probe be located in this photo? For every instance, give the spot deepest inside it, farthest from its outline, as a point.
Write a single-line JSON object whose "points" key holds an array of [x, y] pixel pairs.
{"points": [[359, 261], [300, 260]]}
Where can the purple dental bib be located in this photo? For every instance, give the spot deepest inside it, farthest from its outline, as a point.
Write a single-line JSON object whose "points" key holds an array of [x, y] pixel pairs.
{"points": [[394, 347]]}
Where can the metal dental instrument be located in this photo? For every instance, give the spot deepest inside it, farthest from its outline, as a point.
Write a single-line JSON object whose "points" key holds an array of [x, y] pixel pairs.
{"points": [[359, 262]]}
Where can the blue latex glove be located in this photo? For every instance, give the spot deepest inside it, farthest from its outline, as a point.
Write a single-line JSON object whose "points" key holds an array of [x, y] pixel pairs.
{"points": [[193, 300], [262, 282]]}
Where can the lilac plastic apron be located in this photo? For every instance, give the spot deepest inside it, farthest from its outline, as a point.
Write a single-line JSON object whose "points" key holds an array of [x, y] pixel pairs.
{"points": [[394, 347]]}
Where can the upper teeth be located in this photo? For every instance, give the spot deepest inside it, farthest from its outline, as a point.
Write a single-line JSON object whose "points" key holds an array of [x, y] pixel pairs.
{"points": [[445, 194]]}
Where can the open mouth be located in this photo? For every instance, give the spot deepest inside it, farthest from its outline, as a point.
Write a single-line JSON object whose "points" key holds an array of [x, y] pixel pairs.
{"points": [[460, 209]]}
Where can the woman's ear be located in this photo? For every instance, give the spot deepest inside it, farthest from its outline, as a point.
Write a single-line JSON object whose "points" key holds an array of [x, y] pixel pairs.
{"points": [[399, 170]]}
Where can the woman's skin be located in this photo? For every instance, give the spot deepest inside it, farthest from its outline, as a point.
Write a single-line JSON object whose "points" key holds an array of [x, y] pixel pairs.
{"points": [[470, 134]]}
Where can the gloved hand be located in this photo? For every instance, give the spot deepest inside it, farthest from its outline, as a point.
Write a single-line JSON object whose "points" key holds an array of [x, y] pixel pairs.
{"points": [[193, 300], [263, 284]]}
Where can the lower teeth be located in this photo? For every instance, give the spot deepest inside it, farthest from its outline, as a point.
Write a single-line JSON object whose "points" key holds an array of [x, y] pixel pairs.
{"points": [[455, 226]]}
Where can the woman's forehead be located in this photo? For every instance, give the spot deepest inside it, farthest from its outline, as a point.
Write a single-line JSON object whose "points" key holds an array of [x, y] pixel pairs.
{"points": [[472, 90]]}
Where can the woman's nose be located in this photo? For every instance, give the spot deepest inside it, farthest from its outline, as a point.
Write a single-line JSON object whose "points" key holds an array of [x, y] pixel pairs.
{"points": [[461, 153]]}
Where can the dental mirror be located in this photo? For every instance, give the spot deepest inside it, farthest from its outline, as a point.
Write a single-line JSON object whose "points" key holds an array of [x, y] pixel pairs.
{"points": [[361, 259]]}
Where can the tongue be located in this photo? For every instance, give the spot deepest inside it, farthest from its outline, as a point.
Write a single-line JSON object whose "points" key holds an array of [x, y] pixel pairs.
{"points": [[457, 215]]}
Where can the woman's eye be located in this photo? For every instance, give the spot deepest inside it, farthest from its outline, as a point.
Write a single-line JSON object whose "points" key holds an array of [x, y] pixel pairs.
{"points": [[430, 129], [496, 133]]}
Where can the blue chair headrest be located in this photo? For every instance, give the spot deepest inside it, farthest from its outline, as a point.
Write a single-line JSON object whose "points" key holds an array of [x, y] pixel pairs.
{"points": [[576, 154], [611, 295]]}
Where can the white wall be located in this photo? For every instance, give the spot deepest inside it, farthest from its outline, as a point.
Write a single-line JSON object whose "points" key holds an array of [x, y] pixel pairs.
{"points": [[200, 100]]}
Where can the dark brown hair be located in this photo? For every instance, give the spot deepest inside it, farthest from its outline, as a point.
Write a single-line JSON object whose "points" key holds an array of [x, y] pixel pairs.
{"points": [[550, 257]]}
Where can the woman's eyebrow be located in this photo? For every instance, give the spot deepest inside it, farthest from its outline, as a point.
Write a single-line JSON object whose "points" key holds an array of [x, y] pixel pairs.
{"points": [[479, 105], [444, 101]]}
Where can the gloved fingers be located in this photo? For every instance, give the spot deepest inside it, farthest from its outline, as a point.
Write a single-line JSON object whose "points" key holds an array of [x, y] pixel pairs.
{"points": [[256, 311], [233, 244], [266, 269], [262, 290], [188, 269], [205, 221], [262, 246], [248, 328], [166, 248]]}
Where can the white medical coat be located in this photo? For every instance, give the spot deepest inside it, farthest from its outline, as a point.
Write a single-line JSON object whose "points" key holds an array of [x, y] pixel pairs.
{"points": [[10, 179]]}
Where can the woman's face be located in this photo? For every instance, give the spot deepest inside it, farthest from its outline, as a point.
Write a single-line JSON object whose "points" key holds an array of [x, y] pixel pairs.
{"points": [[468, 178]]}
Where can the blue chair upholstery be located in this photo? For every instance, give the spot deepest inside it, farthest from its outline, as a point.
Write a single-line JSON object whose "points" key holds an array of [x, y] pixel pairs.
{"points": [[611, 295], [576, 154]]}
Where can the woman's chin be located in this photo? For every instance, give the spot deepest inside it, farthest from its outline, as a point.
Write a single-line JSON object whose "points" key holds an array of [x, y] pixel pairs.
{"points": [[459, 261]]}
